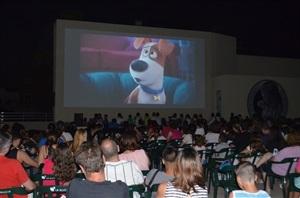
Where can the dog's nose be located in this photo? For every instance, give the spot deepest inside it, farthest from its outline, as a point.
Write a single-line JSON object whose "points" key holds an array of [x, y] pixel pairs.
{"points": [[138, 65]]}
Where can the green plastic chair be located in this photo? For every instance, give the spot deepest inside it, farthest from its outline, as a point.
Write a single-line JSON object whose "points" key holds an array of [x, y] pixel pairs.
{"points": [[139, 188], [152, 189], [55, 191], [283, 178], [224, 178], [211, 145], [10, 192], [207, 154], [292, 187], [154, 151]]}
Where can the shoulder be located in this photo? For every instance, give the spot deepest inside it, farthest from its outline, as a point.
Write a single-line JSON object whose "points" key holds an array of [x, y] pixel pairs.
{"points": [[161, 189]]}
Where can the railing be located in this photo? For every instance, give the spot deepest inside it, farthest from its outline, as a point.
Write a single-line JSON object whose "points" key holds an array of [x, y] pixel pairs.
{"points": [[25, 117]]}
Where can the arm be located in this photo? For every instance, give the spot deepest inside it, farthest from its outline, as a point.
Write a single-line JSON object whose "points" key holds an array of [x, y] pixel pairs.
{"points": [[29, 185], [161, 190], [42, 155], [22, 156], [230, 195], [169, 136], [298, 167]]}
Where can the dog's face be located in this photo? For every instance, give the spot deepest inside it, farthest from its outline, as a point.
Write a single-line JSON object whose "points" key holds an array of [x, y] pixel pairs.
{"points": [[149, 68]]}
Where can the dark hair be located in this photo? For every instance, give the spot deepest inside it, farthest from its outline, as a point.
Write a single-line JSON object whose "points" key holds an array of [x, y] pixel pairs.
{"points": [[169, 154], [199, 140], [223, 137], [215, 127], [89, 156], [275, 135], [52, 138], [64, 164], [129, 142]]}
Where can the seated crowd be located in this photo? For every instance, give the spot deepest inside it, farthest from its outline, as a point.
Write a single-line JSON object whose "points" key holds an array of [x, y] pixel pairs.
{"points": [[114, 154]]}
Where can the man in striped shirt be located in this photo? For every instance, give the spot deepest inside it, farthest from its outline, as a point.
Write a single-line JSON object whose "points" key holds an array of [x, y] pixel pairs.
{"points": [[116, 169]]}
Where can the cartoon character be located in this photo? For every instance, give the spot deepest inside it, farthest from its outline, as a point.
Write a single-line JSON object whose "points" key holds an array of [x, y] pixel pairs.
{"points": [[148, 72]]}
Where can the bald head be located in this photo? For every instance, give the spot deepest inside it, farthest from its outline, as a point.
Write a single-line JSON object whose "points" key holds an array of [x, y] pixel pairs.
{"points": [[109, 148]]}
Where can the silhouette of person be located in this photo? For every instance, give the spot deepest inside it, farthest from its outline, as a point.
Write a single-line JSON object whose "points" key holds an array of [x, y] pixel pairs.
{"points": [[271, 103]]}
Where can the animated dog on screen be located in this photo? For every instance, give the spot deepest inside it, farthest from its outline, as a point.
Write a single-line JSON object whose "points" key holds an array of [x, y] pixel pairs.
{"points": [[148, 72]]}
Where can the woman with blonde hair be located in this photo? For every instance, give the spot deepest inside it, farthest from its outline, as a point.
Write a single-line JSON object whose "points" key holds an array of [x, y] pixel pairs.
{"points": [[189, 180], [79, 137]]}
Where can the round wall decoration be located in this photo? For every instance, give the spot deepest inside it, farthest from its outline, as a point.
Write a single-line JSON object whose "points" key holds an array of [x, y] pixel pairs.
{"points": [[267, 99]]}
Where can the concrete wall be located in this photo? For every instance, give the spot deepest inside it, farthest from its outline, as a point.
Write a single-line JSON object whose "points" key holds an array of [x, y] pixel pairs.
{"points": [[235, 90]]}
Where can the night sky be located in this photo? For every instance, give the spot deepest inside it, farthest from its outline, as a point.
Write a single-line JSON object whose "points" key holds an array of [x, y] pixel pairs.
{"points": [[263, 28]]}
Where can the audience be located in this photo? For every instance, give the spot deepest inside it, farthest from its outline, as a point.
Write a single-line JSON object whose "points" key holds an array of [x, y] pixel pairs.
{"points": [[242, 138], [79, 137], [66, 136], [246, 177], [130, 151], [89, 159], [57, 156], [47, 150], [116, 169], [188, 133], [189, 180], [173, 133], [61, 164], [213, 133], [156, 176], [199, 143], [11, 171], [291, 151], [19, 154]]}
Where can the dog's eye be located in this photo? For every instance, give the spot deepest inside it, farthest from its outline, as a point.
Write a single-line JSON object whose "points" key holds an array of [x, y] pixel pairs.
{"points": [[145, 52], [153, 54]]}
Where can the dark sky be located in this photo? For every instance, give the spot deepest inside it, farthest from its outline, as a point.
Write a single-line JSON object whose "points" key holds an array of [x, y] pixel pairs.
{"points": [[263, 28]]}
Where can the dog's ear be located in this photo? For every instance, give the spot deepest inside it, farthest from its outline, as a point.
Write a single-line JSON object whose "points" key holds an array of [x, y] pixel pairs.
{"points": [[165, 47], [139, 41]]}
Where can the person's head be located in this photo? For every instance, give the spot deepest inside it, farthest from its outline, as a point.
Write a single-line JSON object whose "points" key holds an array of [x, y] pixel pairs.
{"points": [[5, 128], [256, 144], [192, 128], [109, 149], [79, 137], [215, 127], [173, 124], [223, 137], [17, 139], [245, 173], [129, 142], [51, 127], [265, 128], [60, 125], [236, 126], [169, 155], [293, 138], [89, 158], [64, 163], [199, 140], [52, 138], [5, 142], [188, 170]]}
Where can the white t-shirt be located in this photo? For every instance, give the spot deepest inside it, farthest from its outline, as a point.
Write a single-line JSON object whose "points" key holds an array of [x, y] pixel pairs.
{"points": [[187, 139], [200, 131], [67, 136]]}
